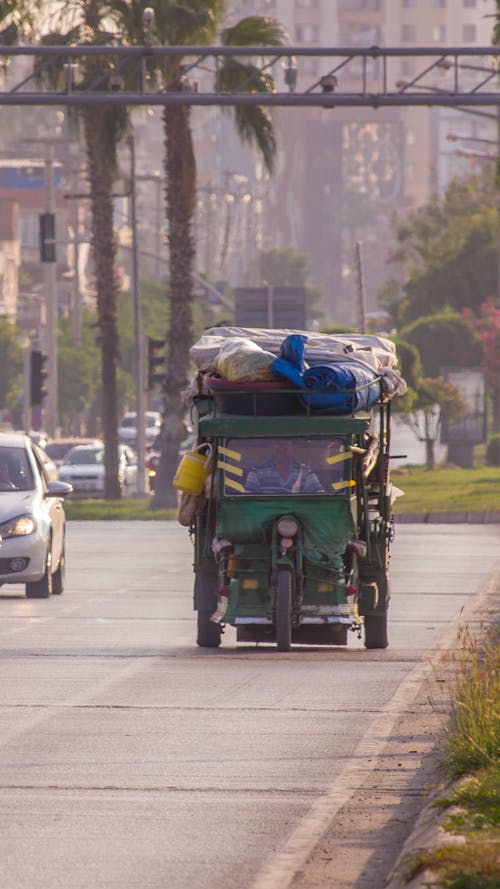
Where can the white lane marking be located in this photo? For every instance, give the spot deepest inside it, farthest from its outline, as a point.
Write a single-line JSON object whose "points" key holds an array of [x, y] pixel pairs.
{"points": [[279, 871]]}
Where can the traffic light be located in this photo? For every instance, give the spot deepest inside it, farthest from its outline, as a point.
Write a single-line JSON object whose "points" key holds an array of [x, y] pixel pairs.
{"points": [[156, 360], [38, 378], [47, 237]]}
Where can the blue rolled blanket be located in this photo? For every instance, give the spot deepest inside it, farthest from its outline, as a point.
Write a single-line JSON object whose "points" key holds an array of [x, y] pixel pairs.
{"points": [[343, 387]]}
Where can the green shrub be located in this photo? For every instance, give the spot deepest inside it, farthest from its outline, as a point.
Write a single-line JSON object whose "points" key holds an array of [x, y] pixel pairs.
{"points": [[493, 450]]}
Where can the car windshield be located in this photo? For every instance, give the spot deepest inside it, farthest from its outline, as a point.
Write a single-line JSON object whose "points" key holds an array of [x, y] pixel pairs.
{"points": [[15, 470], [56, 451], [151, 422], [129, 422], [320, 465], [85, 456]]}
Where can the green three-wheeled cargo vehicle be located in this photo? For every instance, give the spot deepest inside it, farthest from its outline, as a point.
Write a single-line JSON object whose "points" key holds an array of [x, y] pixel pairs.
{"points": [[293, 528]]}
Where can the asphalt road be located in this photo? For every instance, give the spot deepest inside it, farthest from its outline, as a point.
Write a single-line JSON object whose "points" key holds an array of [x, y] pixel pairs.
{"points": [[130, 758]]}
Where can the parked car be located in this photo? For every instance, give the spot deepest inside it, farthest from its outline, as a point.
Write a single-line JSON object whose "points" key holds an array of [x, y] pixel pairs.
{"points": [[83, 468], [57, 448], [32, 518], [127, 430]]}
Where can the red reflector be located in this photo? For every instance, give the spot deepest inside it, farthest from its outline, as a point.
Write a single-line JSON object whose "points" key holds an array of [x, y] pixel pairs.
{"points": [[351, 590]]}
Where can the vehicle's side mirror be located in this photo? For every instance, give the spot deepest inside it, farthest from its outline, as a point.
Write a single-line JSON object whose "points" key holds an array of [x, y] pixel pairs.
{"points": [[58, 489]]}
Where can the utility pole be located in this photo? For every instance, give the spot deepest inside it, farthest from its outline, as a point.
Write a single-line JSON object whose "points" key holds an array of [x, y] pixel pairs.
{"points": [[138, 338], [49, 333], [360, 286], [77, 294], [50, 286]]}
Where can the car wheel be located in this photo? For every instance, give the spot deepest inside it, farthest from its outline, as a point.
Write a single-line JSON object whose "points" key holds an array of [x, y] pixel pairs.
{"points": [[59, 575], [42, 588]]}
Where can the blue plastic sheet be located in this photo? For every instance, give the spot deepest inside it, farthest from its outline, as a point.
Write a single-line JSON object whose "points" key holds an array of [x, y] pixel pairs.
{"points": [[343, 387]]}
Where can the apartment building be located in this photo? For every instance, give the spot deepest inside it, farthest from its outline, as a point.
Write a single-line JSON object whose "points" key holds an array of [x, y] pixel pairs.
{"points": [[342, 173]]}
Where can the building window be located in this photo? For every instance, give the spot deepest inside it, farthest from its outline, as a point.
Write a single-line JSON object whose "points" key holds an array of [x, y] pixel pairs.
{"points": [[408, 33], [439, 33], [409, 4], [307, 33], [357, 5], [439, 4], [469, 33], [470, 4], [408, 67], [306, 4]]}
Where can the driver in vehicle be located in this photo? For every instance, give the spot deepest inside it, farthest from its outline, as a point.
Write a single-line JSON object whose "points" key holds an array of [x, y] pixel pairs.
{"points": [[282, 473]]}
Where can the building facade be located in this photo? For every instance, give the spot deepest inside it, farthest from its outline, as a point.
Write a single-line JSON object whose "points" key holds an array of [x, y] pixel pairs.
{"points": [[343, 173]]}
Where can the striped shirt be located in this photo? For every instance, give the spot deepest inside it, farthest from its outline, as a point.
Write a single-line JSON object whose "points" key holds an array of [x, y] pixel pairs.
{"points": [[265, 479]]}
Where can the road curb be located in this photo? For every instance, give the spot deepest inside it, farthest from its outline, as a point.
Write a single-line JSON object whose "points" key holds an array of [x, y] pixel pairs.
{"points": [[429, 833], [487, 517]]}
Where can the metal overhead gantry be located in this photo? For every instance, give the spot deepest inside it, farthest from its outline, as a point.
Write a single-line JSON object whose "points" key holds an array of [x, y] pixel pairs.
{"points": [[363, 77]]}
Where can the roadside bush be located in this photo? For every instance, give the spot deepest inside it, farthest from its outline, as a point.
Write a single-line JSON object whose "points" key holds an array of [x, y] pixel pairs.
{"points": [[473, 738], [493, 450]]}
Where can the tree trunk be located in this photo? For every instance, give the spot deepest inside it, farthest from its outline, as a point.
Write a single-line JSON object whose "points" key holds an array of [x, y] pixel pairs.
{"points": [[180, 175], [430, 460], [104, 251]]}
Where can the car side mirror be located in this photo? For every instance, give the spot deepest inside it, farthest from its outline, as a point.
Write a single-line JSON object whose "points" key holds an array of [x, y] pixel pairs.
{"points": [[58, 489]]}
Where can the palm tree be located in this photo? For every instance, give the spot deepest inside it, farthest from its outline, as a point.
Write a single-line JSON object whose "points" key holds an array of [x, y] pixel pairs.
{"points": [[16, 20], [103, 127], [194, 22]]}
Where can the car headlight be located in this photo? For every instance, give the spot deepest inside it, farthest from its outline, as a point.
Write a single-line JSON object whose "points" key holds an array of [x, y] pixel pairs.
{"points": [[18, 526]]}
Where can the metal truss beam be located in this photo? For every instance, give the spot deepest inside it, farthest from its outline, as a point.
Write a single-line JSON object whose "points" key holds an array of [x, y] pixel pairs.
{"points": [[366, 77]]}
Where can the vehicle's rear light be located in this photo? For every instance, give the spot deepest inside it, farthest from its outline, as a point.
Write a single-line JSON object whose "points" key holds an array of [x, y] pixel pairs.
{"points": [[250, 584], [325, 587]]}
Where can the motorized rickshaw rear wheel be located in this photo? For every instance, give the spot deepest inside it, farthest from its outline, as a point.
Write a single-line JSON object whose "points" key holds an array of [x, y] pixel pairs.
{"points": [[284, 610], [376, 630], [209, 633]]}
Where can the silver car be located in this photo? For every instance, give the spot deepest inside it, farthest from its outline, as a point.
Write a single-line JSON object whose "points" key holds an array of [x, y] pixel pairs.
{"points": [[32, 519], [83, 468]]}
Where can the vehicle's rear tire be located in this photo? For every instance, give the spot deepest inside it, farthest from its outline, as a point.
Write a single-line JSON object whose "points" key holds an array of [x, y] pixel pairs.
{"points": [[376, 630], [209, 633], [42, 589], [59, 576], [284, 610]]}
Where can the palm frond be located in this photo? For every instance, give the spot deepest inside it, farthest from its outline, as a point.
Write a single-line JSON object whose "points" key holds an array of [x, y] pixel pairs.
{"points": [[16, 17], [181, 24], [255, 127], [255, 30], [254, 124], [235, 76]]}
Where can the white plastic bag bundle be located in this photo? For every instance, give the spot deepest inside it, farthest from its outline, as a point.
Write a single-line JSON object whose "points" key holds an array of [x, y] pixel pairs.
{"points": [[242, 361]]}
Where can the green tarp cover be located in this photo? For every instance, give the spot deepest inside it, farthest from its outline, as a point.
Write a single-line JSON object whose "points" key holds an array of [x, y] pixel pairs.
{"points": [[327, 525]]}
